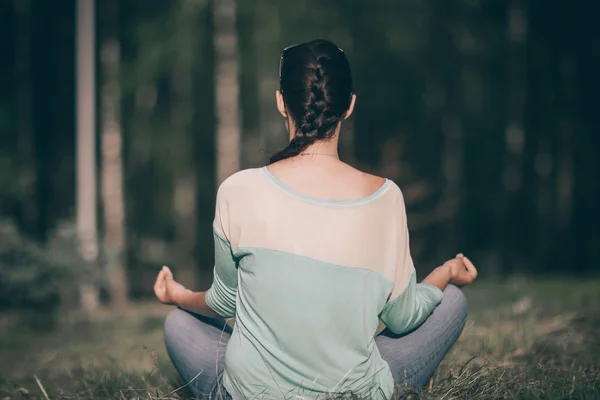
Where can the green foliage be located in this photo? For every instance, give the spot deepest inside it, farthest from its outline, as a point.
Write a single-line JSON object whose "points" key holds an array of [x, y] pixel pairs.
{"points": [[11, 188], [27, 279], [37, 282]]}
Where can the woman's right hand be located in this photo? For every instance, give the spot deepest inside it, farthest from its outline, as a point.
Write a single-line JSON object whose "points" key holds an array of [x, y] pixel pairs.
{"points": [[462, 270], [167, 290]]}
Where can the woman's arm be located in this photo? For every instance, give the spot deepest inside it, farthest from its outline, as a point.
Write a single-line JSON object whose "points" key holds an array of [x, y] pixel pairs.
{"points": [[196, 303], [418, 300], [459, 271], [439, 277], [174, 293]]}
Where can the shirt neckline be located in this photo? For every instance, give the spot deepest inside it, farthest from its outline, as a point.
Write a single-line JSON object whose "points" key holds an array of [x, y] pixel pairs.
{"points": [[330, 202]]}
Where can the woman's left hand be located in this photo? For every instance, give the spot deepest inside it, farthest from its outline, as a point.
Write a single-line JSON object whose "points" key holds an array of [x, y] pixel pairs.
{"points": [[462, 270], [167, 290]]}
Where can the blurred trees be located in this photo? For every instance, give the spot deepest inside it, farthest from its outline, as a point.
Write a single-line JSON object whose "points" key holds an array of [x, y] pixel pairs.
{"points": [[167, 80], [481, 111]]}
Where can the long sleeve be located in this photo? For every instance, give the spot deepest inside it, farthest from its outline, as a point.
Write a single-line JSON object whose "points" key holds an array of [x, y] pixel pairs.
{"points": [[410, 303], [411, 308], [221, 297]]}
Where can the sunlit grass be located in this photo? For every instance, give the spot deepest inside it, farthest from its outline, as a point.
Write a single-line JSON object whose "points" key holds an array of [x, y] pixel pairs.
{"points": [[524, 339]]}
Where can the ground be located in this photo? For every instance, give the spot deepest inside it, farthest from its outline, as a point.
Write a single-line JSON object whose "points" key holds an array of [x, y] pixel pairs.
{"points": [[525, 339]]}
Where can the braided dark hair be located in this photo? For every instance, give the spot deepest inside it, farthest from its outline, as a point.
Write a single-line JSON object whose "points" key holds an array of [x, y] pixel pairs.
{"points": [[316, 84]]}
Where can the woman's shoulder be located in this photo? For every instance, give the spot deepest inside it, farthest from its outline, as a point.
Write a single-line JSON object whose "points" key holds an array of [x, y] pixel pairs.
{"points": [[241, 177], [246, 178], [372, 183]]}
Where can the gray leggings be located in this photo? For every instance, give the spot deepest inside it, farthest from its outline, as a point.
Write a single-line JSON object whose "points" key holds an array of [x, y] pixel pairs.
{"points": [[197, 346]]}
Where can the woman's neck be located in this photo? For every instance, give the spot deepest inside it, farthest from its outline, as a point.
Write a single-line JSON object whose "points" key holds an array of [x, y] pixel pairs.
{"points": [[322, 147]]}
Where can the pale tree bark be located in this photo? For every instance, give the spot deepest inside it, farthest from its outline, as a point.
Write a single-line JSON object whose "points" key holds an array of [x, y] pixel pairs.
{"points": [[29, 210], [227, 88], [112, 159], [86, 148]]}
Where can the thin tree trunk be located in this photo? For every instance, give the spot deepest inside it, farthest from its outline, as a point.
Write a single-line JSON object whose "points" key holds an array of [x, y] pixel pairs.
{"points": [[565, 172], [515, 130], [86, 148], [112, 159], [271, 125], [543, 165], [186, 187], [252, 152], [29, 210], [451, 126], [227, 88], [565, 175], [452, 161]]}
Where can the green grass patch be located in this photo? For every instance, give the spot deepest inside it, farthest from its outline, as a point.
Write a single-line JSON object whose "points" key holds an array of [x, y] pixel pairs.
{"points": [[525, 339]]}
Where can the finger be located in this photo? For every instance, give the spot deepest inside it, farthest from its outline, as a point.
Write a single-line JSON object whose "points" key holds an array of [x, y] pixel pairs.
{"points": [[159, 280], [168, 273], [459, 255], [470, 266]]}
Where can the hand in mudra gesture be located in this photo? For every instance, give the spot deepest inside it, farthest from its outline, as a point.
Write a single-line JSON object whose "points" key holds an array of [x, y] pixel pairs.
{"points": [[462, 270], [167, 290]]}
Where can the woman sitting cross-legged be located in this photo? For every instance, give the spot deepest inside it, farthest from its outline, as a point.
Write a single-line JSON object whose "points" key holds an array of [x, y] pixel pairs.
{"points": [[312, 259]]}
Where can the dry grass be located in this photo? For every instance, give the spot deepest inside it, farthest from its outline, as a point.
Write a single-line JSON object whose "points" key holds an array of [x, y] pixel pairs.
{"points": [[524, 340]]}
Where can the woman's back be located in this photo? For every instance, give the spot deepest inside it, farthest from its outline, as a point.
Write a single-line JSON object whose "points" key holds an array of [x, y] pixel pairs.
{"points": [[313, 275], [312, 259]]}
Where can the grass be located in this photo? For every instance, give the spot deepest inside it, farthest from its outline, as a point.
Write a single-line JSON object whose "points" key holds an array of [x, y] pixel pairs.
{"points": [[523, 340]]}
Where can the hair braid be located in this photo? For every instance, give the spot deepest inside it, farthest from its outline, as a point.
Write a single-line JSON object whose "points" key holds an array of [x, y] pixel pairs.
{"points": [[320, 98]]}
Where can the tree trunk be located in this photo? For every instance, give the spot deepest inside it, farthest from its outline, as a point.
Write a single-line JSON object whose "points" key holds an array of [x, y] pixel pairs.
{"points": [[452, 167], [271, 132], [112, 159], [451, 127], [86, 148], [565, 167], [515, 132], [29, 210], [186, 187], [226, 88], [565, 243]]}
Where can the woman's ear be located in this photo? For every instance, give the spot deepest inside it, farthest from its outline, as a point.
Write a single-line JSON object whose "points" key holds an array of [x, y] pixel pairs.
{"points": [[280, 104], [351, 108]]}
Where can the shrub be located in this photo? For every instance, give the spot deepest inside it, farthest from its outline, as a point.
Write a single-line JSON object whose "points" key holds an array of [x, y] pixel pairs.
{"points": [[38, 282]]}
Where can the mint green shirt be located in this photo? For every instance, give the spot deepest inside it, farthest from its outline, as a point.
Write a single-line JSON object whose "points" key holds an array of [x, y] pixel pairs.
{"points": [[310, 283]]}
